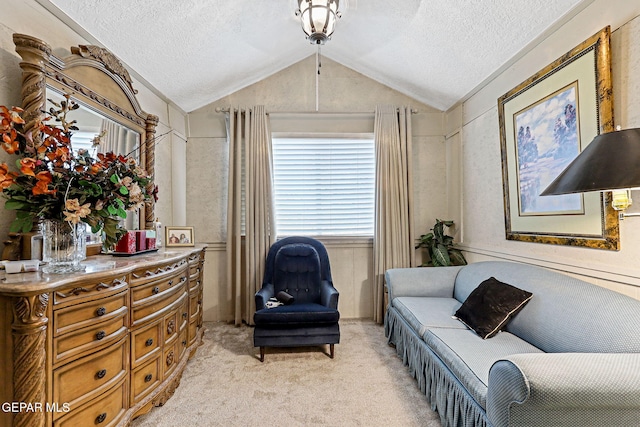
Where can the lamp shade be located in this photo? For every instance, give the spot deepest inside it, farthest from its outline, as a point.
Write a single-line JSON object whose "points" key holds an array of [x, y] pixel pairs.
{"points": [[318, 18], [611, 161]]}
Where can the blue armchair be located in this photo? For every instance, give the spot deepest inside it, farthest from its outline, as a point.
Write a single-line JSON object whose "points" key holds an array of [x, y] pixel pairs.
{"points": [[298, 268]]}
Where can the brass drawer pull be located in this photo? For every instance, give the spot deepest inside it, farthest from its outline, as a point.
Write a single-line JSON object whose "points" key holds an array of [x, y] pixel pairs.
{"points": [[149, 342], [155, 290], [171, 282], [101, 373], [184, 343], [101, 311], [100, 335], [184, 315], [148, 378], [100, 418]]}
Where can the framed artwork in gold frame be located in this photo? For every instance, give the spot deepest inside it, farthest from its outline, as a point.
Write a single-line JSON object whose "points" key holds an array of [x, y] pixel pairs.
{"points": [[545, 122], [179, 236]]}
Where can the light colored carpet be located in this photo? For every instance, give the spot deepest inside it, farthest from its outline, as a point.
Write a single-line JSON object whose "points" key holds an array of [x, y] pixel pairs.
{"points": [[225, 384]]}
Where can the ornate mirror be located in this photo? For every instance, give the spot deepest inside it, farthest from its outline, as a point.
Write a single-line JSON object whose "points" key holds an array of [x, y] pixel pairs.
{"points": [[97, 81]]}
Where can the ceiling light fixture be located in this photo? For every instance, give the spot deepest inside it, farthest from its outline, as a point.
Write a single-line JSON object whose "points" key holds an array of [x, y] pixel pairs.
{"points": [[318, 18]]}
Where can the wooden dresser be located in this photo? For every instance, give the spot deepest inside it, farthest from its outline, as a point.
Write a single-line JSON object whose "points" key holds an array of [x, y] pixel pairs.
{"points": [[98, 348]]}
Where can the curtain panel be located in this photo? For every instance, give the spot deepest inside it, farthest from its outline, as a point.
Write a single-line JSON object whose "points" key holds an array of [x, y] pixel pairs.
{"points": [[119, 139], [251, 174], [392, 242]]}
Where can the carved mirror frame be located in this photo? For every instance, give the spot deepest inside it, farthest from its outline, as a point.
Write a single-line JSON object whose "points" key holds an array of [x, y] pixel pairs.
{"points": [[94, 77]]}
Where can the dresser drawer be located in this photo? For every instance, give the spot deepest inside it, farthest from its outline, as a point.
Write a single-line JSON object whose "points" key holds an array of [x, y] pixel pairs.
{"points": [[170, 326], [90, 339], [145, 343], [81, 315], [157, 307], [194, 270], [86, 378], [107, 410], [194, 284], [144, 379], [183, 343], [89, 290], [170, 359], [201, 313], [157, 272], [193, 330], [156, 289], [194, 304], [183, 314]]}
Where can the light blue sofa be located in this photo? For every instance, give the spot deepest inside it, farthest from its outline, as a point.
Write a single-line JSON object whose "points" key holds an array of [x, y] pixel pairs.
{"points": [[571, 357]]}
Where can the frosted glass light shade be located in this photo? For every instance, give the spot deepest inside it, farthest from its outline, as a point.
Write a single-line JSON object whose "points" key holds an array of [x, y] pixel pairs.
{"points": [[318, 18]]}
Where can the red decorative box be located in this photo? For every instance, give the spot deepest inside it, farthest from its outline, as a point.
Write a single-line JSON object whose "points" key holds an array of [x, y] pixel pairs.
{"points": [[151, 242], [127, 243], [141, 240]]}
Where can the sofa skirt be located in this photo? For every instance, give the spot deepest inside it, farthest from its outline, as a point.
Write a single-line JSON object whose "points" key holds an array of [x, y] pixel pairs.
{"points": [[446, 394]]}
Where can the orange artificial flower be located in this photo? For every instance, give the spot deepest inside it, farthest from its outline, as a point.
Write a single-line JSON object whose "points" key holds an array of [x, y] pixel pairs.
{"points": [[27, 166], [15, 116], [55, 135], [62, 153], [42, 186], [107, 158], [9, 116], [59, 156], [6, 177], [10, 141]]}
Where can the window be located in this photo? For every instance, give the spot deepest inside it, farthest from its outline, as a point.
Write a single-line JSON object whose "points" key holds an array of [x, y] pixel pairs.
{"points": [[324, 186], [83, 140]]}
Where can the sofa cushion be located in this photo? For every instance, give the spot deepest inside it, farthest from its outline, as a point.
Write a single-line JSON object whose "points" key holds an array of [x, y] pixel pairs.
{"points": [[566, 315], [490, 306], [295, 315], [427, 312], [470, 358]]}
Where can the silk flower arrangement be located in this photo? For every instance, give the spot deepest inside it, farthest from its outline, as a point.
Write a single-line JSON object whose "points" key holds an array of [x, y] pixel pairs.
{"points": [[52, 181]]}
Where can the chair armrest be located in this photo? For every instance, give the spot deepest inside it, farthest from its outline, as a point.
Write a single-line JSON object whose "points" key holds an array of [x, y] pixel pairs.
{"points": [[421, 281], [577, 389], [328, 295], [263, 295]]}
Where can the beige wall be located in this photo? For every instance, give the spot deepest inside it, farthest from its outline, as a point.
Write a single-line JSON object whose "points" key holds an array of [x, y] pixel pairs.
{"points": [[480, 171], [456, 158], [28, 17], [341, 90]]}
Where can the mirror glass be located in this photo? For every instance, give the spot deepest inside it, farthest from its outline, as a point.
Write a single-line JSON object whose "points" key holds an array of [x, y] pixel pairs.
{"points": [[116, 138]]}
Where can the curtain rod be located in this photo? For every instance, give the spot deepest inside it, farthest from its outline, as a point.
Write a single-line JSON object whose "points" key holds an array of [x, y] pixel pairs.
{"points": [[226, 110]]}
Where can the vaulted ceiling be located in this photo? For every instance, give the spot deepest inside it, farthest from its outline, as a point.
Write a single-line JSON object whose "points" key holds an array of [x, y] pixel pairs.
{"points": [[197, 51]]}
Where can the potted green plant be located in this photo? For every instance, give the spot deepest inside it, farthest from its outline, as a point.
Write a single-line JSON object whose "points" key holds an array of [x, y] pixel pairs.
{"points": [[440, 247]]}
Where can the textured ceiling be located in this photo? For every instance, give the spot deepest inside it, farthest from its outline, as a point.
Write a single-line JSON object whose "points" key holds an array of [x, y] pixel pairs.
{"points": [[198, 51]]}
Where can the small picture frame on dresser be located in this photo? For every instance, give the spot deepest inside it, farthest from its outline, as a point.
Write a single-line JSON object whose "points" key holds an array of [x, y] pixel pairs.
{"points": [[179, 236]]}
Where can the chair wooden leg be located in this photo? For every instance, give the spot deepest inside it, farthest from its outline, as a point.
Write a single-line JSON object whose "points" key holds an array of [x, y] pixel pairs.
{"points": [[331, 350], [262, 354]]}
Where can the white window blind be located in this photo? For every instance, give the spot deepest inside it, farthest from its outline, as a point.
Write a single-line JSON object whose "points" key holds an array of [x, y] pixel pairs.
{"points": [[83, 140], [324, 186]]}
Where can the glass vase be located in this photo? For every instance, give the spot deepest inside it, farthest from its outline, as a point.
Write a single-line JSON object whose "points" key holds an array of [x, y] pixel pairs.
{"points": [[64, 245]]}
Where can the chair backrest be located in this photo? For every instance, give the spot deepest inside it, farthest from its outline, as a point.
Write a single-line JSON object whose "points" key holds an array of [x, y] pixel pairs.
{"points": [[297, 265]]}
